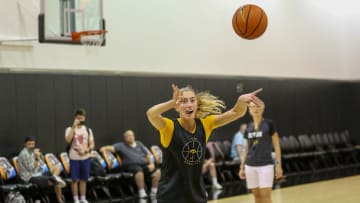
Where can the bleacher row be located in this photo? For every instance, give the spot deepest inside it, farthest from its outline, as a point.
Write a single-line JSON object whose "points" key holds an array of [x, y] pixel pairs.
{"points": [[113, 184], [319, 153], [302, 154]]}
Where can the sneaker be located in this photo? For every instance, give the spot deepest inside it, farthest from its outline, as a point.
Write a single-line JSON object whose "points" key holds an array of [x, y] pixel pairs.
{"points": [[62, 200], [59, 181], [142, 201], [217, 186], [76, 201], [142, 196], [84, 201], [215, 194], [153, 195]]}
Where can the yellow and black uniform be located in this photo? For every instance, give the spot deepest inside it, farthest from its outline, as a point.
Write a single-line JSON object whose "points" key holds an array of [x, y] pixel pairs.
{"points": [[183, 154]]}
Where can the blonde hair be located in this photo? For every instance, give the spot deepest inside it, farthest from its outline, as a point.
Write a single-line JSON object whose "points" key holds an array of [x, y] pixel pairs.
{"points": [[208, 104]]}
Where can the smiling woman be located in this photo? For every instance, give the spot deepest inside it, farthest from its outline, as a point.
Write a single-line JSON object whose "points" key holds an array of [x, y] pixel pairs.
{"points": [[184, 139], [204, 103]]}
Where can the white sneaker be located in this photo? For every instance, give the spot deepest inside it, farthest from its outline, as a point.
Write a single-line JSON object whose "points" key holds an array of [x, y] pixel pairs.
{"points": [[215, 194], [142, 196], [84, 201], [217, 186], [76, 201], [153, 195], [59, 181]]}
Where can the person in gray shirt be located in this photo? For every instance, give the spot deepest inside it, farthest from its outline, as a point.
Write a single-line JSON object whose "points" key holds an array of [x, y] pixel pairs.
{"points": [[137, 159], [30, 170]]}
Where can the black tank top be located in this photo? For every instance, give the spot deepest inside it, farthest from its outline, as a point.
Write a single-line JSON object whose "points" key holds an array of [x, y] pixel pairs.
{"points": [[181, 178]]}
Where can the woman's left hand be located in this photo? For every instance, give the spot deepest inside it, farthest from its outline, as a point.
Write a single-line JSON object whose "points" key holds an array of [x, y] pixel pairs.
{"points": [[278, 172], [251, 97]]}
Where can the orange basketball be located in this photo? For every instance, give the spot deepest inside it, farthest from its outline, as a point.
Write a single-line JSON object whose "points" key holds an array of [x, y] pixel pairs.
{"points": [[249, 21]]}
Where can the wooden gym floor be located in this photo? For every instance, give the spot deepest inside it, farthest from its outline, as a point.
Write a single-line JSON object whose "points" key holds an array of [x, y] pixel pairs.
{"points": [[331, 191]]}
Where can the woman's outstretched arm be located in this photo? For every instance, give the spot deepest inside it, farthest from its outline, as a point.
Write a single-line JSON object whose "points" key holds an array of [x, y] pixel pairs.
{"points": [[239, 108]]}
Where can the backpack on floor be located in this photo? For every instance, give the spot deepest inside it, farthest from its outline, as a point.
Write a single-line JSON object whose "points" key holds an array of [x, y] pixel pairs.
{"points": [[14, 197]]}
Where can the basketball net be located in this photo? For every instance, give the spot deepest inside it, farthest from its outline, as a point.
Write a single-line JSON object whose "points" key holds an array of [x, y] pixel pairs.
{"points": [[92, 40], [90, 37]]}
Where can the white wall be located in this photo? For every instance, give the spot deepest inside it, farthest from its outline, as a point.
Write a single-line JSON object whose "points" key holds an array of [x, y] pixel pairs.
{"points": [[305, 38], [353, 44]]}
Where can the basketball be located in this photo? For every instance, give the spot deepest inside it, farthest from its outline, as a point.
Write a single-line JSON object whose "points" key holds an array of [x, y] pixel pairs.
{"points": [[249, 21]]}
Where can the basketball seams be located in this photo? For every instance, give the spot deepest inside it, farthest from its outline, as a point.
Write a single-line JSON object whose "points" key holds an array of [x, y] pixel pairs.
{"points": [[237, 30], [257, 26], [247, 20]]}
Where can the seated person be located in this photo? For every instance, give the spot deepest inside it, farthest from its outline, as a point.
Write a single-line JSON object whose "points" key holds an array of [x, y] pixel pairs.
{"points": [[30, 170], [136, 158], [238, 143], [209, 166]]}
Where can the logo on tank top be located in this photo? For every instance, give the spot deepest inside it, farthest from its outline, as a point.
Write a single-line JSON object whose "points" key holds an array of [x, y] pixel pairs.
{"points": [[255, 135], [192, 152]]}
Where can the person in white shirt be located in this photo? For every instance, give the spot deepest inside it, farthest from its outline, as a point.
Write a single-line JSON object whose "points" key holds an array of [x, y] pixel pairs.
{"points": [[81, 140]]}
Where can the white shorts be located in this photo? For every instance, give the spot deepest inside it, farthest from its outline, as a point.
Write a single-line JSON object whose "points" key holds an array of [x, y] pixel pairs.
{"points": [[259, 176]]}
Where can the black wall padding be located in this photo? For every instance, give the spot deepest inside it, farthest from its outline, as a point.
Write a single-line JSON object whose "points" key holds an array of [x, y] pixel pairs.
{"points": [[42, 105]]}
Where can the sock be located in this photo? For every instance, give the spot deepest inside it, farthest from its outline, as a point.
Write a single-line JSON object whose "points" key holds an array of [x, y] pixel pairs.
{"points": [[82, 197], [76, 198], [214, 180], [154, 189]]}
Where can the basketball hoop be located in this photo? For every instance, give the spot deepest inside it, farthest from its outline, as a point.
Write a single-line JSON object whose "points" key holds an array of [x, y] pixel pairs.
{"points": [[89, 38]]}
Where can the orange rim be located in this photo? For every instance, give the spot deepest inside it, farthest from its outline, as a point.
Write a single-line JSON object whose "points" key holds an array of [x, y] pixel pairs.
{"points": [[76, 36]]}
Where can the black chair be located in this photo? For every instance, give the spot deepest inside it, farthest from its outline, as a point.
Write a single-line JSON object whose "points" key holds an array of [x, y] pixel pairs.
{"points": [[229, 164], [125, 187], [348, 150], [331, 151], [307, 152], [93, 184], [215, 153], [10, 181], [157, 153], [6, 174], [290, 156]]}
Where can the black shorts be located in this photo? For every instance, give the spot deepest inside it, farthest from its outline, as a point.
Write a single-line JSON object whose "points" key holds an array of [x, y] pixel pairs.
{"points": [[42, 181], [139, 168]]}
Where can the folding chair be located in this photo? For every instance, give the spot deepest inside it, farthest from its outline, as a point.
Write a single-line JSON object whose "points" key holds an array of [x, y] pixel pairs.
{"points": [[157, 153], [10, 180], [65, 161], [114, 163]]}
